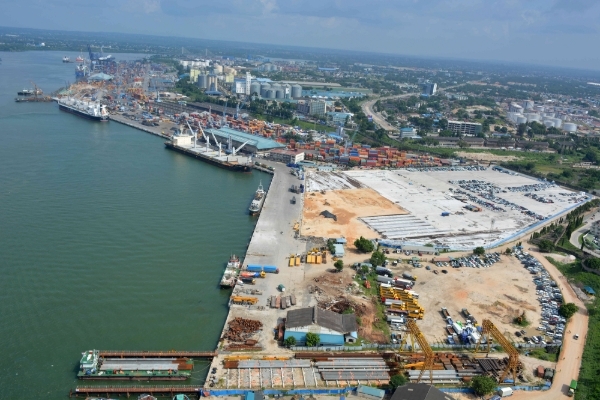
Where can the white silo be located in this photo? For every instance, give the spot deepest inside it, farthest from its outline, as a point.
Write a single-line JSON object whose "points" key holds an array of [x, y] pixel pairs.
{"points": [[270, 94], [279, 93], [263, 89], [521, 119], [529, 104], [548, 123], [570, 127], [296, 91], [557, 122], [255, 88]]}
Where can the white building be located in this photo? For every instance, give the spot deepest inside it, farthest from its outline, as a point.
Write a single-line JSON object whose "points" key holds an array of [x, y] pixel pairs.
{"points": [[317, 108], [464, 128]]}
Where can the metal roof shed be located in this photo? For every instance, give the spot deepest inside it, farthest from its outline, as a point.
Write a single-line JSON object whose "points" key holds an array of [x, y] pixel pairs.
{"points": [[370, 392], [589, 290], [339, 250], [341, 240]]}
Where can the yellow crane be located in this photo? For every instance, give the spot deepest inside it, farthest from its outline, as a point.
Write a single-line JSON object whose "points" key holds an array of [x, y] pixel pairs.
{"points": [[489, 331], [416, 337]]}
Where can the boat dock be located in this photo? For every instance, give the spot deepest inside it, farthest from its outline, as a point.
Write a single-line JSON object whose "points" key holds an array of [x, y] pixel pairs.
{"points": [[153, 130], [156, 354], [171, 390]]}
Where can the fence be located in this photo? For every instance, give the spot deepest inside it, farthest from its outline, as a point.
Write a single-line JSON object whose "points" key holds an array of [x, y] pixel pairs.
{"points": [[366, 346], [270, 392]]}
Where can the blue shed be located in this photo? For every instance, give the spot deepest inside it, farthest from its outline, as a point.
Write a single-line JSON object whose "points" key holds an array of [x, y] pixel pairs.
{"points": [[589, 290]]}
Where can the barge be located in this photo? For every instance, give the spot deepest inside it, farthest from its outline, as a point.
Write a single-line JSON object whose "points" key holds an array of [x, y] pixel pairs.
{"points": [[258, 200], [94, 367], [232, 271], [90, 110]]}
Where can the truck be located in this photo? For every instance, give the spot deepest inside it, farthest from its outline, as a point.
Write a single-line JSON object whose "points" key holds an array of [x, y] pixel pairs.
{"points": [[409, 276], [269, 269], [250, 281], [572, 388], [445, 312], [383, 271], [505, 392]]}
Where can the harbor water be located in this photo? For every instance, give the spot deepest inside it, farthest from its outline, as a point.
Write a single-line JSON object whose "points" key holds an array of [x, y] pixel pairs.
{"points": [[107, 239]]}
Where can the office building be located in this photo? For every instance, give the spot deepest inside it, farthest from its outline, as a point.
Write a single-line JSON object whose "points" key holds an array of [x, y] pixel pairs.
{"points": [[464, 128], [429, 89]]}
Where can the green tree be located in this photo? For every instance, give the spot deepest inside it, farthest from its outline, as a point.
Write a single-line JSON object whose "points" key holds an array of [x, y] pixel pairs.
{"points": [[593, 263], [398, 380], [508, 251], [546, 245], [479, 251], [290, 341], [521, 129], [339, 265], [377, 258], [567, 310], [483, 385], [312, 339], [364, 245]]}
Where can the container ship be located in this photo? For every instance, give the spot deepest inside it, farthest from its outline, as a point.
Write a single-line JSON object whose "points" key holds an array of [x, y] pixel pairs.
{"points": [[186, 142], [94, 367], [232, 270], [257, 201], [90, 110]]}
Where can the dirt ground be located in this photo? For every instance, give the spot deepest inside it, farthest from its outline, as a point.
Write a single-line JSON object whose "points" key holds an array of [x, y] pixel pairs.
{"points": [[348, 206], [485, 156]]}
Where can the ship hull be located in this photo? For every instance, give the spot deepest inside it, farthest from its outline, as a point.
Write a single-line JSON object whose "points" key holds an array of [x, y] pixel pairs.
{"points": [[132, 378], [82, 114], [230, 167]]}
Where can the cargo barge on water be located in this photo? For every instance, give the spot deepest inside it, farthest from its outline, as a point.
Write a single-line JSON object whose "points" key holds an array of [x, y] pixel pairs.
{"points": [[257, 201], [94, 367], [232, 271], [90, 110], [186, 142]]}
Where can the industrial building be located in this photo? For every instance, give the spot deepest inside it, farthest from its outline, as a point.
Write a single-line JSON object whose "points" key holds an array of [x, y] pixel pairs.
{"points": [[255, 144], [429, 89], [419, 391], [339, 118], [333, 328], [464, 128], [286, 156], [317, 108]]}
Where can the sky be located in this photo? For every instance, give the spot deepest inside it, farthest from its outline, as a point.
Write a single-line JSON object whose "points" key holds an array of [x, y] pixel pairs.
{"points": [[548, 32]]}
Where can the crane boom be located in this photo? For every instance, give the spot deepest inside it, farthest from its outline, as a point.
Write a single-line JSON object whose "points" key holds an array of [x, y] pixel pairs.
{"points": [[417, 337], [239, 148], [490, 331]]}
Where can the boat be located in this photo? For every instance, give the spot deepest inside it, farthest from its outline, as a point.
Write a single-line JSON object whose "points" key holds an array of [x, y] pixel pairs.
{"points": [[81, 71], [183, 142], [258, 200], [90, 110], [26, 92], [79, 59], [66, 59], [232, 270]]}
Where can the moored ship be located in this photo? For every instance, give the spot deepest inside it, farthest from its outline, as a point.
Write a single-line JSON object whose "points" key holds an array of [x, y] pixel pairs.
{"points": [[232, 270], [258, 200], [90, 110]]}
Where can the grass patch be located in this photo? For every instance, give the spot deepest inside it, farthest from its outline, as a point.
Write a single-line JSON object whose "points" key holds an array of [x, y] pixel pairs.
{"points": [[302, 124], [589, 384], [542, 354]]}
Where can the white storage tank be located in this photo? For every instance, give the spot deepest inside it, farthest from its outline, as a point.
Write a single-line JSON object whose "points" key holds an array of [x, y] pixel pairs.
{"points": [[539, 109], [570, 127], [217, 69], [263, 89], [255, 88], [557, 122], [296, 91], [521, 120], [528, 104], [549, 123]]}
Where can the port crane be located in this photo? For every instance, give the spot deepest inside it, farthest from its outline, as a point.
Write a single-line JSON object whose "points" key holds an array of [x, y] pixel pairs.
{"points": [[490, 331], [416, 337], [348, 142]]}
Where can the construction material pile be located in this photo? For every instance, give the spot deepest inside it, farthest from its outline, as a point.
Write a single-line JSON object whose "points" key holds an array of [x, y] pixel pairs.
{"points": [[240, 329]]}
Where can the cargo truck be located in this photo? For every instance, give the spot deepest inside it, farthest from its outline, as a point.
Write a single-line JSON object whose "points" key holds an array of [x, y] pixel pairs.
{"points": [[270, 269], [409, 276], [383, 271], [505, 392], [572, 388]]}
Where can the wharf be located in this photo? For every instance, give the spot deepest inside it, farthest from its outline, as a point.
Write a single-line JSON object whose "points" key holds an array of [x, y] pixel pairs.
{"points": [[127, 390], [153, 130], [156, 354]]}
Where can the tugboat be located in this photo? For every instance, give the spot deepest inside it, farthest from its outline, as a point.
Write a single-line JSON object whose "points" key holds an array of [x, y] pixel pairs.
{"points": [[231, 273], [258, 200], [66, 59]]}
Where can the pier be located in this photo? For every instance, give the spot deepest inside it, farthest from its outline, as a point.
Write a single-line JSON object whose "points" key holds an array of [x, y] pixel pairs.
{"points": [[171, 390], [156, 354], [153, 130]]}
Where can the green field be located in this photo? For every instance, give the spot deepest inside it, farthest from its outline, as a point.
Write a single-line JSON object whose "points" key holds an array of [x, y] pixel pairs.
{"points": [[589, 384]]}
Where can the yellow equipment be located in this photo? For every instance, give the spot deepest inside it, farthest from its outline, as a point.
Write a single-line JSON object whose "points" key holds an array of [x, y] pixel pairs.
{"points": [[415, 335], [244, 300], [292, 261], [237, 358], [297, 261], [489, 330]]}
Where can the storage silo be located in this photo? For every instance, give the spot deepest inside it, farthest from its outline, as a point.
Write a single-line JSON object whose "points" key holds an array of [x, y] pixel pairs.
{"points": [[270, 94], [549, 123], [539, 109], [528, 104], [279, 93], [570, 127], [521, 119], [557, 122], [218, 69], [296, 91], [263, 89], [203, 81], [255, 88]]}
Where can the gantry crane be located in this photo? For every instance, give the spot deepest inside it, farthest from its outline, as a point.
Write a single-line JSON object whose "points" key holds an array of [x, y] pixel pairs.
{"points": [[489, 331], [415, 335]]}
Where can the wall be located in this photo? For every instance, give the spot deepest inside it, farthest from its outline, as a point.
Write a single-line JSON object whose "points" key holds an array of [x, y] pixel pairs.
{"points": [[326, 339]]}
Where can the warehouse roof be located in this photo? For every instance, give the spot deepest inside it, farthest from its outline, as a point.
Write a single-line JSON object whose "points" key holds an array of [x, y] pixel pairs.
{"points": [[343, 323], [261, 143], [419, 391]]}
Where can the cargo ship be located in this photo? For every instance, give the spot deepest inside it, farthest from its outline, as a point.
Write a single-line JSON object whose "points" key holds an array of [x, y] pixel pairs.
{"points": [[90, 110], [94, 367], [186, 142], [257, 201], [232, 270], [30, 92]]}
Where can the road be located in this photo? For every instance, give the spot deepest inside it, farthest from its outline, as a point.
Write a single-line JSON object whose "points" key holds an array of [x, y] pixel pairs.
{"points": [[569, 364], [587, 224]]}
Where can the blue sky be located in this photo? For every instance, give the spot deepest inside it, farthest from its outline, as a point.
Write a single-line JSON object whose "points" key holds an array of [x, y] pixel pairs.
{"points": [[551, 32]]}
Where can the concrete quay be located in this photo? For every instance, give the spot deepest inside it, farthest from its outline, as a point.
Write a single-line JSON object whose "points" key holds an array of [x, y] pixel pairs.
{"points": [[153, 130]]}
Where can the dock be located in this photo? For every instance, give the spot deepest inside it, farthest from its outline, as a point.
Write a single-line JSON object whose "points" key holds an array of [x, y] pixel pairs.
{"points": [[156, 131], [171, 390], [157, 354]]}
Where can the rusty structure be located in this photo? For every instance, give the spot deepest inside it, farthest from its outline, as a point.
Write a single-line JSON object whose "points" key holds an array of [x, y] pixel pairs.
{"points": [[240, 329], [415, 336], [490, 331]]}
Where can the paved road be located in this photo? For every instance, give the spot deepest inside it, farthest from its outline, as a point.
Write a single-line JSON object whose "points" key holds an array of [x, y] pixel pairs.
{"points": [[367, 108], [587, 224], [568, 366]]}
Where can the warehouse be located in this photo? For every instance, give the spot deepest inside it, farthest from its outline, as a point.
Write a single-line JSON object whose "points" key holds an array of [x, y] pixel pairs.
{"points": [[256, 144], [286, 156], [332, 328]]}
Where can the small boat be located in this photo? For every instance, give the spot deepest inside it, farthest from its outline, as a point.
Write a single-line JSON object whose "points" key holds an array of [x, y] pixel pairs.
{"points": [[258, 200], [66, 59], [26, 92], [232, 270], [79, 59]]}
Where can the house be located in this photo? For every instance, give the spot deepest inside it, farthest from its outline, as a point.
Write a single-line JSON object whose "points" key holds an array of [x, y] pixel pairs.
{"points": [[333, 329], [369, 392], [339, 250], [419, 391]]}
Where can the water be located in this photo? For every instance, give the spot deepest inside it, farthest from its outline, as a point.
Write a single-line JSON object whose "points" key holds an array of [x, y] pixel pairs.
{"points": [[107, 239]]}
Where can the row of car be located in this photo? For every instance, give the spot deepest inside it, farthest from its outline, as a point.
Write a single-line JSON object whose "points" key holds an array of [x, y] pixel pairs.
{"points": [[531, 188], [472, 261], [465, 168], [479, 201], [550, 298]]}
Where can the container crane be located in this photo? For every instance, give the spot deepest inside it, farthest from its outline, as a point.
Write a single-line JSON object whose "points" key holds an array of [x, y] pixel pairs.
{"points": [[490, 331], [415, 335], [350, 140]]}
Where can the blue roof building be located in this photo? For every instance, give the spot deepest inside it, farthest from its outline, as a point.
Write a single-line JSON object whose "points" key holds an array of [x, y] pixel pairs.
{"points": [[589, 290]]}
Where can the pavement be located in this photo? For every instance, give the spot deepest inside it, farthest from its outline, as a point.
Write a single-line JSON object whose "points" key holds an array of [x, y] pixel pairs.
{"points": [[587, 224], [569, 364]]}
